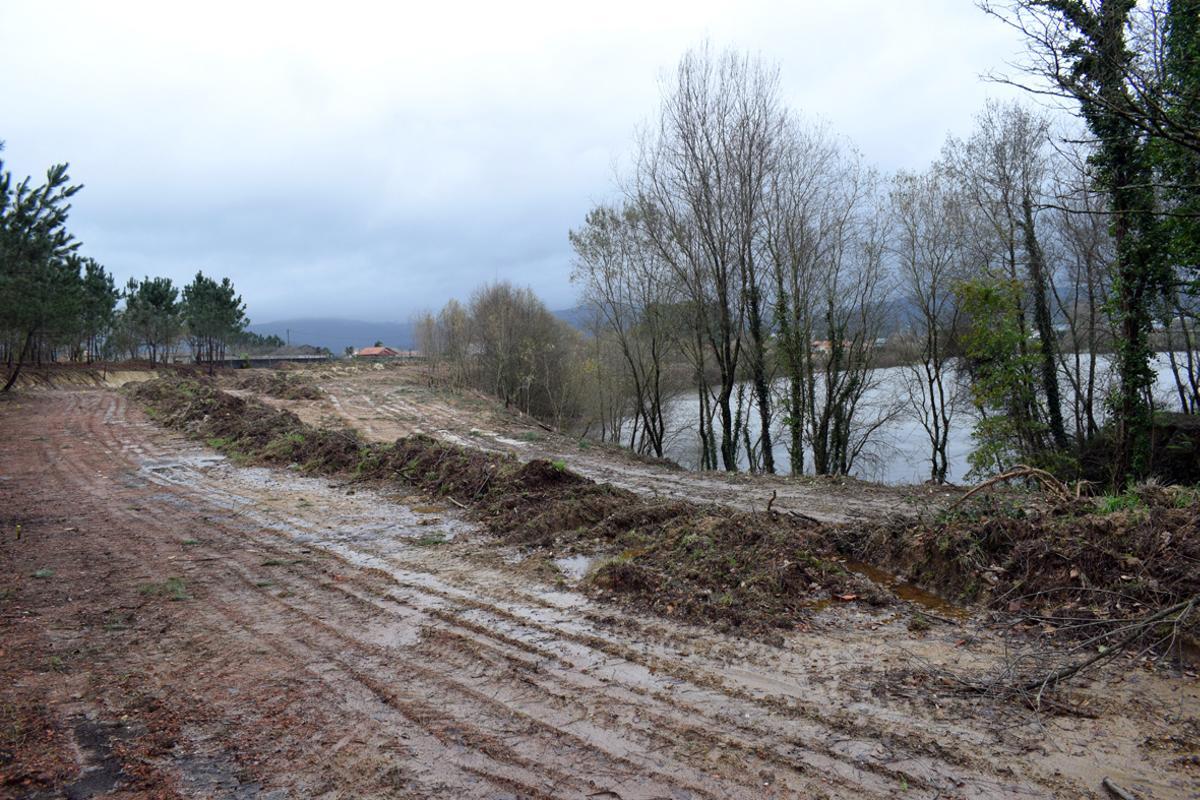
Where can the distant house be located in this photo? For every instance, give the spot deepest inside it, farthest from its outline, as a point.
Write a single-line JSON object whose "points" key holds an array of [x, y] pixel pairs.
{"points": [[825, 346], [377, 352]]}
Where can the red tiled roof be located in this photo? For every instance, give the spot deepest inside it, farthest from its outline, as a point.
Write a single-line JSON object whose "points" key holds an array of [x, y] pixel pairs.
{"points": [[377, 351]]}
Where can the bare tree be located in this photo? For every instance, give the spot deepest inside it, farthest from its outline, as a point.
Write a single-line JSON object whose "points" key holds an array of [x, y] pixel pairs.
{"points": [[1000, 170], [630, 287], [852, 289], [928, 244], [1085, 255], [1121, 40], [431, 342], [522, 353], [798, 241], [454, 334], [700, 189]]}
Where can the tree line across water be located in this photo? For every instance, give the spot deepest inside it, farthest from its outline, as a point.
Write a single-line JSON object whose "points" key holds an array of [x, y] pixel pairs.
{"points": [[751, 258], [56, 304]]}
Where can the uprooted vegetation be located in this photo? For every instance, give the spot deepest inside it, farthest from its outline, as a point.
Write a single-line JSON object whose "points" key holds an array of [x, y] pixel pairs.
{"points": [[749, 570], [280, 385], [1110, 555], [1109, 577]]}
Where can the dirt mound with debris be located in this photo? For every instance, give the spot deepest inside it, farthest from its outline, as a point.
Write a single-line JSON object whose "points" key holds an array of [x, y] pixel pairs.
{"points": [[746, 570], [1107, 559], [96, 374], [436, 467], [739, 569], [280, 385], [246, 428]]}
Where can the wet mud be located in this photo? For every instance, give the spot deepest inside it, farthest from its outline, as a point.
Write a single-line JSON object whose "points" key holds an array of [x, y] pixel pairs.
{"points": [[324, 644]]}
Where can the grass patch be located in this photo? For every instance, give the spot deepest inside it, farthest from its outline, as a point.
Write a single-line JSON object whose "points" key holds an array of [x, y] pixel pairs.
{"points": [[43, 573], [431, 539], [117, 623], [1125, 501], [172, 588]]}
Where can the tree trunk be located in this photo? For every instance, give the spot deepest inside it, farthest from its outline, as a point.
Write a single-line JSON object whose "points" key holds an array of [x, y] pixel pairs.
{"points": [[1041, 313], [20, 360]]}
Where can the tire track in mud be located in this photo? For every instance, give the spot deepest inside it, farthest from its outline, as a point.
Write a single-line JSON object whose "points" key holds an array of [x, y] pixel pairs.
{"points": [[475, 701], [484, 630], [608, 647], [721, 792], [231, 618], [904, 776]]}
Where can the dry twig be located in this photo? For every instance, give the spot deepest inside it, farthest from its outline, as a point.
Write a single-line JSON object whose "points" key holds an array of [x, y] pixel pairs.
{"points": [[1116, 791], [1052, 484]]}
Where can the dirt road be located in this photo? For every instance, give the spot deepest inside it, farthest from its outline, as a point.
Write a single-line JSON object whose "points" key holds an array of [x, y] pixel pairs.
{"points": [[385, 404], [175, 625]]}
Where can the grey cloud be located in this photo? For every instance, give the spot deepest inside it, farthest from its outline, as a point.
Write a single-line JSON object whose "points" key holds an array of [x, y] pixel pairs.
{"points": [[347, 161]]}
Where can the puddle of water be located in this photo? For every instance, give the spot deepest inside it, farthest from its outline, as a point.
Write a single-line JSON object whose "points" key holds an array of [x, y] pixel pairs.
{"points": [[574, 567], [907, 591], [102, 770], [510, 442]]}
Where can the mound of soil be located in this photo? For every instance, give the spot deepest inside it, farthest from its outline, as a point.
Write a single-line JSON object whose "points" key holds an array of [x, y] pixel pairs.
{"points": [[739, 569], [247, 428], [437, 468], [1073, 563], [280, 385]]}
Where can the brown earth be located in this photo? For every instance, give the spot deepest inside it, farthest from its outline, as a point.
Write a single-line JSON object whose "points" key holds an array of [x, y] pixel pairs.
{"points": [[174, 625], [386, 402]]}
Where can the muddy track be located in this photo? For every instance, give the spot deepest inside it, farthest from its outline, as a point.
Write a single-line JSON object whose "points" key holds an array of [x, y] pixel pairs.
{"points": [[337, 656], [390, 403]]}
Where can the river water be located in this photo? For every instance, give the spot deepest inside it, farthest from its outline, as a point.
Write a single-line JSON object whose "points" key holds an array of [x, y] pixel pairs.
{"points": [[898, 452]]}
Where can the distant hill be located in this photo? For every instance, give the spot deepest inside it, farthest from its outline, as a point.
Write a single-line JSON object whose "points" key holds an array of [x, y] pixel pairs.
{"points": [[338, 334], [576, 317]]}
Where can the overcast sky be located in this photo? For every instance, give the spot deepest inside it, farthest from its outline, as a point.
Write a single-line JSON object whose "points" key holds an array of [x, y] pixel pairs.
{"points": [[349, 159]]}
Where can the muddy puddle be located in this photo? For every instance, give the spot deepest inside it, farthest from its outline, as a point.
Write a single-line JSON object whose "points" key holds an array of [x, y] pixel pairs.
{"points": [[909, 592], [574, 567], [349, 516]]}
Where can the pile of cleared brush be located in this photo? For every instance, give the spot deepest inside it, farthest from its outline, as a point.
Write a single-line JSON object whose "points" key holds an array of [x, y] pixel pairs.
{"points": [[749, 570], [1088, 557], [274, 383]]}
